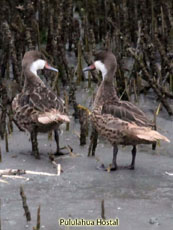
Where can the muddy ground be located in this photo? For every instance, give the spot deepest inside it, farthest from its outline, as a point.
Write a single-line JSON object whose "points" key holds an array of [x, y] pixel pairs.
{"points": [[141, 199]]}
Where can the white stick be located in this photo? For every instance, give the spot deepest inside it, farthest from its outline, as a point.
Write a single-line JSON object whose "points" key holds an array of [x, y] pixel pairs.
{"points": [[15, 177], [3, 181], [58, 170], [21, 171], [40, 173], [170, 174]]}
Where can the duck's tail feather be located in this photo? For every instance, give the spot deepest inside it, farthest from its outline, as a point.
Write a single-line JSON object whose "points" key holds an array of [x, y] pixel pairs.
{"points": [[151, 135], [52, 116]]}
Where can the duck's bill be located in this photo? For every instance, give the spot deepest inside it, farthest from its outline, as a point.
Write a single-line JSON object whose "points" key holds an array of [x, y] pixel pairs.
{"points": [[89, 68], [47, 66]]}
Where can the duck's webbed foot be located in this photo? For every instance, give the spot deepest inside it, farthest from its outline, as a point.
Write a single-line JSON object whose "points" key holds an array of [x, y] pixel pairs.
{"points": [[60, 153], [34, 143], [101, 167], [131, 167], [112, 167]]}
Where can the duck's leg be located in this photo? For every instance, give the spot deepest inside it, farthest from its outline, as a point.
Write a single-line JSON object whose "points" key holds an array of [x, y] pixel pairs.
{"points": [[113, 166], [56, 136], [35, 144], [58, 149], [114, 160], [93, 142], [132, 165], [154, 146]]}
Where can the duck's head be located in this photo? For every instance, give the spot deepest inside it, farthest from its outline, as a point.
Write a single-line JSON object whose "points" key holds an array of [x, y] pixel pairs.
{"points": [[35, 60], [105, 61]]}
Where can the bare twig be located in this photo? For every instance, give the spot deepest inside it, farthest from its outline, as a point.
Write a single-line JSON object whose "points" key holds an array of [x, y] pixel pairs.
{"points": [[0, 214], [103, 210], [6, 141], [93, 142], [25, 206], [83, 119], [15, 177], [169, 174], [0, 155], [3, 181], [38, 220], [153, 83], [21, 171]]}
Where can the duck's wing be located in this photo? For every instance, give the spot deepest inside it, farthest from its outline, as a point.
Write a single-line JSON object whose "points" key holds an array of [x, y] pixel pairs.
{"points": [[51, 108], [129, 133], [126, 111], [44, 100]]}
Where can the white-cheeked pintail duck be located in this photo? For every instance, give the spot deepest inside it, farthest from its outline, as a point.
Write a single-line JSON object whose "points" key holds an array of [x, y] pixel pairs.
{"points": [[120, 122], [37, 108]]}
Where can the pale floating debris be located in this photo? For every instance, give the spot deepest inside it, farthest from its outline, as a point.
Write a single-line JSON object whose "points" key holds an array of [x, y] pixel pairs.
{"points": [[169, 174], [4, 181], [76, 133], [58, 170], [18, 172], [40, 173], [15, 177]]}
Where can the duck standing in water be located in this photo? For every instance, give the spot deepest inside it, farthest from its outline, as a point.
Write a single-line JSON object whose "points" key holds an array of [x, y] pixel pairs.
{"points": [[120, 122], [37, 108]]}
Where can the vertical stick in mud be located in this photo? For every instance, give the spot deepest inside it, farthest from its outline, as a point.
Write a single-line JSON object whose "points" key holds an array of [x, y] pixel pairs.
{"points": [[25, 206], [103, 210], [6, 142], [0, 215], [38, 218], [0, 155]]}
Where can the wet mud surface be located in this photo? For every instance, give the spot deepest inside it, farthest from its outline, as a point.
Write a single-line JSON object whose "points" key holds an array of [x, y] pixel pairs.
{"points": [[141, 199]]}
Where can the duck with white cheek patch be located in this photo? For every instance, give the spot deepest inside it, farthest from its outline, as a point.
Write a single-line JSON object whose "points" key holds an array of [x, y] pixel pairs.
{"points": [[120, 122], [37, 108]]}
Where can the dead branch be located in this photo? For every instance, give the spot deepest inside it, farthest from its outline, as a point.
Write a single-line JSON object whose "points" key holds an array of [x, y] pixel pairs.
{"points": [[152, 83], [103, 210], [25, 206], [21, 172], [38, 220], [0, 214], [0, 155]]}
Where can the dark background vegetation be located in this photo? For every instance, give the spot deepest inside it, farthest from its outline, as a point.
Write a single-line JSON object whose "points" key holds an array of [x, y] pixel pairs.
{"points": [[139, 32]]}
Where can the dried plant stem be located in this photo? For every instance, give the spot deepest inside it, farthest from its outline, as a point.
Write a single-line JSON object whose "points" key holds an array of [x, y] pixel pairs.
{"points": [[20, 172], [83, 119], [0, 215], [153, 83], [79, 64], [93, 142], [25, 206], [50, 136], [6, 142], [0, 155], [66, 106], [38, 220], [103, 210]]}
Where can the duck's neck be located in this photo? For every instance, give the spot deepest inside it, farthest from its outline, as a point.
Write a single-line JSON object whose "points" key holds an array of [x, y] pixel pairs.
{"points": [[31, 80], [106, 90]]}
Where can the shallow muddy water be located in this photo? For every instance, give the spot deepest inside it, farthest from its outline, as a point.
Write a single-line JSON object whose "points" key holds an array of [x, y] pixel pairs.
{"points": [[141, 199]]}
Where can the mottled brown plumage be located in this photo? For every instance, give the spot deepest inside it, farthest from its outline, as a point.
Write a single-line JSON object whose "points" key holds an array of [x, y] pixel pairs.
{"points": [[37, 108], [120, 122]]}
